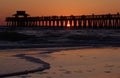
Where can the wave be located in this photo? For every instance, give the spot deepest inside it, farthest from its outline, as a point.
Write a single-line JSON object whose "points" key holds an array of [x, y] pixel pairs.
{"points": [[59, 38]]}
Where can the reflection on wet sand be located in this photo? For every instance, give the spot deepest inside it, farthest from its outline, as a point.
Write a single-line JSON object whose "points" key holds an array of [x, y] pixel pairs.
{"points": [[84, 63], [71, 63]]}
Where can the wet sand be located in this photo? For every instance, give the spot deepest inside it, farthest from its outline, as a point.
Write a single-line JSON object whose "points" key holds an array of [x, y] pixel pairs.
{"points": [[81, 63], [77, 63], [18, 62]]}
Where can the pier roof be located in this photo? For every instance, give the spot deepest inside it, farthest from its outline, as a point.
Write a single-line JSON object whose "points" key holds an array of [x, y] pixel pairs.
{"points": [[21, 13]]}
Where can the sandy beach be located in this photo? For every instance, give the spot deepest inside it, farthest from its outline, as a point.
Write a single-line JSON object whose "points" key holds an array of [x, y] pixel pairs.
{"points": [[65, 63]]}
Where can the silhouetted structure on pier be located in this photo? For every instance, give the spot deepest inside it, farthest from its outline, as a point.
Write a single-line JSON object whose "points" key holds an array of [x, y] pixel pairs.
{"points": [[21, 19]]}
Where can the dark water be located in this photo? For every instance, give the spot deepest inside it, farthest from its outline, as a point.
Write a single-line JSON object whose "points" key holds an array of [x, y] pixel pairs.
{"points": [[59, 38]]}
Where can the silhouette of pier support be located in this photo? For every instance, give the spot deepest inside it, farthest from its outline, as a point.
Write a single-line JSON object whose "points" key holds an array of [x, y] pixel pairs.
{"points": [[21, 19]]}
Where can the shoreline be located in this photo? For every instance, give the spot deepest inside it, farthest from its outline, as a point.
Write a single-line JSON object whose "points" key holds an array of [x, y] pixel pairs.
{"points": [[38, 60], [85, 63], [24, 72], [57, 46], [28, 59]]}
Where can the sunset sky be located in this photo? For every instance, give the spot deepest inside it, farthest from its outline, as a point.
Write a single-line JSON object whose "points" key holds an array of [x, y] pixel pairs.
{"points": [[58, 7]]}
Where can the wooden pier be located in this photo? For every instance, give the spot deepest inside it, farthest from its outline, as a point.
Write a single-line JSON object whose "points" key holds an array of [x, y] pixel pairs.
{"points": [[21, 19]]}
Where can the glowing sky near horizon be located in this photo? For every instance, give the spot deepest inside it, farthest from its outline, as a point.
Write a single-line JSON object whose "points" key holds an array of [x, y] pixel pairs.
{"points": [[58, 7]]}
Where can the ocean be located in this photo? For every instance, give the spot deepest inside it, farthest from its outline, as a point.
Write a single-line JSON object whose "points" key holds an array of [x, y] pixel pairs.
{"points": [[25, 38]]}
